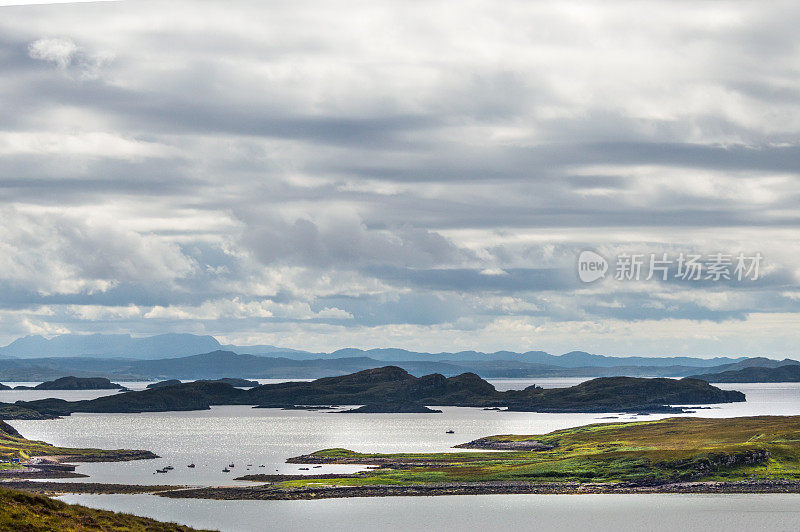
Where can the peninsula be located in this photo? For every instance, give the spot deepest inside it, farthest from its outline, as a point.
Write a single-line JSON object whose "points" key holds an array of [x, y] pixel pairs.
{"points": [[75, 383], [673, 455], [24, 458]]}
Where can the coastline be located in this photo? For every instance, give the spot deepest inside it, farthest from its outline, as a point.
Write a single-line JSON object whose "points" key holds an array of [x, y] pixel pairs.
{"points": [[268, 492]]}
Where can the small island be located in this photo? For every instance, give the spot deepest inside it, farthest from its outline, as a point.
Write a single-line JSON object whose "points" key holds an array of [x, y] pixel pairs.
{"points": [[163, 384], [235, 382], [75, 383], [674, 455], [392, 384], [392, 407]]}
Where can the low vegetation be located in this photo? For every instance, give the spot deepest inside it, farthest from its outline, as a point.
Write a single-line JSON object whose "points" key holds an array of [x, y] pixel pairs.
{"points": [[644, 453], [20, 512], [15, 448]]}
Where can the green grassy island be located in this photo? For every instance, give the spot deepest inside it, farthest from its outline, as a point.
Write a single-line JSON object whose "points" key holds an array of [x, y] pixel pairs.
{"points": [[17, 452], [752, 454]]}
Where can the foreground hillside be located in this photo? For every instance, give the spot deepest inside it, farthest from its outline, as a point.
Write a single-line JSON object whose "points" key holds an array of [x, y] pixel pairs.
{"points": [[751, 454], [21, 511], [394, 384]]}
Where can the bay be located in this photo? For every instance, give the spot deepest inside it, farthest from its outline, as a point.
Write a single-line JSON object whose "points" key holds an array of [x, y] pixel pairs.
{"points": [[249, 438]]}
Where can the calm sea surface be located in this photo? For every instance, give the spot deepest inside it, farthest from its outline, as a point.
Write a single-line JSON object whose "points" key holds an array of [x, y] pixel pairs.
{"points": [[250, 438]]}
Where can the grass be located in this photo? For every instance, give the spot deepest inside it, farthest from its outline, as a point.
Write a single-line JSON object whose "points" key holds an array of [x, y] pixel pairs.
{"points": [[14, 445], [21, 512], [673, 449]]}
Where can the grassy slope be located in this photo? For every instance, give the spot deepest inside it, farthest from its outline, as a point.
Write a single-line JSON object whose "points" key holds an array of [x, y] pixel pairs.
{"points": [[13, 445], [666, 450], [21, 511]]}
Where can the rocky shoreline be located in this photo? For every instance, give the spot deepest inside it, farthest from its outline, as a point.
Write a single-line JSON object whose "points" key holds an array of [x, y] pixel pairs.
{"points": [[480, 488], [269, 492], [56, 466], [91, 488]]}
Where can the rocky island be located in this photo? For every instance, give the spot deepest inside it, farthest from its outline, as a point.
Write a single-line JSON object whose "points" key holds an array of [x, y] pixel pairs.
{"points": [[392, 407], [392, 384], [75, 383]]}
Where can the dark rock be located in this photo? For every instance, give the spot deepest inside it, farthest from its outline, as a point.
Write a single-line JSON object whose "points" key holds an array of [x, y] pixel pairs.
{"points": [[162, 384], [393, 407], [75, 383]]}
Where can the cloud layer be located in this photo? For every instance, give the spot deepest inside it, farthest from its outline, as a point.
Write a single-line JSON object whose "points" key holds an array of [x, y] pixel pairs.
{"points": [[383, 174]]}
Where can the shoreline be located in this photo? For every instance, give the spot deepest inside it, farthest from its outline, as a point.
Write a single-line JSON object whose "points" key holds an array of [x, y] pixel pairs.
{"points": [[268, 492]]}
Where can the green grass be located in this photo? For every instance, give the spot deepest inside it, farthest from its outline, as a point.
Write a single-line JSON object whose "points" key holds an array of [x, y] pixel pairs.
{"points": [[653, 451], [13, 445], [21, 512]]}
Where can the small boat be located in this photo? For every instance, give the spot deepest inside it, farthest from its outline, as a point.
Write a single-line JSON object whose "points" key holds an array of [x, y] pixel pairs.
{"points": [[262, 465], [191, 465], [231, 465], [303, 469], [451, 431], [169, 468], [249, 465], [161, 470], [226, 470], [317, 466]]}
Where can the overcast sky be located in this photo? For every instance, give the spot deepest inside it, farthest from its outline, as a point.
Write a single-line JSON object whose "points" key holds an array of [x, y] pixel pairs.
{"points": [[416, 174]]}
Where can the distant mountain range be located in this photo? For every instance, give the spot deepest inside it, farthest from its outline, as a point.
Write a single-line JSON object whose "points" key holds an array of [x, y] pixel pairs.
{"points": [[218, 364], [166, 356], [784, 373], [179, 345], [110, 345]]}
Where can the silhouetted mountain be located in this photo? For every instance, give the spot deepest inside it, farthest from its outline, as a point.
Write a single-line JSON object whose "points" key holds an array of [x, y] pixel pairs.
{"points": [[298, 363], [220, 364], [573, 359], [110, 345], [755, 362], [784, 373]]}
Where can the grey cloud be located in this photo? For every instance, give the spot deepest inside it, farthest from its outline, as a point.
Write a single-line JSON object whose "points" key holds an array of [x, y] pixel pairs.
{"points": [[307, 163], [470, 280], [349, 243]]}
